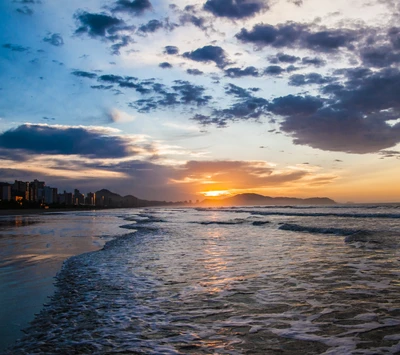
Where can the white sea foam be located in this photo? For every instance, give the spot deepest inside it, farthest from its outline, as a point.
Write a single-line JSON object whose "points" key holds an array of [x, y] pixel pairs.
{"points": [[178, 287]]}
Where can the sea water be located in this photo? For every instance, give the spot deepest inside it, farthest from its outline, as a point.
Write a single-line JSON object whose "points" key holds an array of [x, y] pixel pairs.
{"points": [[243, 280]]}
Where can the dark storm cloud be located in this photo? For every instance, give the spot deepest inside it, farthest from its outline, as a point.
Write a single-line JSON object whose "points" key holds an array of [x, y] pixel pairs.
{"points": [[54, 39], [15, 47], [239, 72], [165, 65], [308, 79], [172, 50], [236, 9], [293, 34], [194, 72], [209, 54], [43, 139], [136, 7]]}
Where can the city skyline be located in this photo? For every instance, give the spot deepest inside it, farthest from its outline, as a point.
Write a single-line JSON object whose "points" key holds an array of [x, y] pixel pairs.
{"points": [[188, 100]]}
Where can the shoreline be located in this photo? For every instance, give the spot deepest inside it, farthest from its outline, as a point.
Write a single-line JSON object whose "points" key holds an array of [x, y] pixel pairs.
{"points": [[33, 211], [41, 255]]}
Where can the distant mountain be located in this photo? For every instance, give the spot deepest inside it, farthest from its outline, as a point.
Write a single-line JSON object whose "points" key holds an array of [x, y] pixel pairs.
{"points": [[260, 200], [106, 198]]}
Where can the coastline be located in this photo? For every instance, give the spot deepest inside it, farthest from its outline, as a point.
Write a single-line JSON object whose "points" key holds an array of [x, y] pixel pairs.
{"points": [[34, 255], [33, 211]]}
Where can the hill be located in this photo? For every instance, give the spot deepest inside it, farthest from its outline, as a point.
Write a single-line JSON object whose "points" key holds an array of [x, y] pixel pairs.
{"points": [[260, 200]]}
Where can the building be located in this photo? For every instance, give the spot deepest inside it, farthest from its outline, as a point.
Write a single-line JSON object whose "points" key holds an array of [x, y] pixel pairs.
{"points": [[65, 198], [20, 189], [90, 199], [50, 195], [36, 190], [79, 199], [5, 191]]}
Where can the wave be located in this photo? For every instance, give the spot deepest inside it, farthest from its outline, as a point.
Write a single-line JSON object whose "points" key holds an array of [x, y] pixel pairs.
{"points": [[358, 237], [316, 214], [319, 230]]}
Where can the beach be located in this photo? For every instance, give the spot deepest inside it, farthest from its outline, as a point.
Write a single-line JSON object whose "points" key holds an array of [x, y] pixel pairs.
{"points": [[33, 246], [250, 280]]}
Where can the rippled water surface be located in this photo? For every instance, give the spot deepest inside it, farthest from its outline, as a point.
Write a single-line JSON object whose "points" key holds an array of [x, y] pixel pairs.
{"points": [[231, 281]]}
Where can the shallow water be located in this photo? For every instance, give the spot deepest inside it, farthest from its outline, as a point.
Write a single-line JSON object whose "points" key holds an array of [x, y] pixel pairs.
{"points": [[32, 250], [232, 281]]}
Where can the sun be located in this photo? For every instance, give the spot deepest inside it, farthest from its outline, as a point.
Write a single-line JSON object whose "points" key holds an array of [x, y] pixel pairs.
{"points": [[218, 193]]}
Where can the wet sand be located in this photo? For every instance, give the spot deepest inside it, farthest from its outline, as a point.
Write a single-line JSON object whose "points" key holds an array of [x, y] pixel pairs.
{"points": [[33, 246]]}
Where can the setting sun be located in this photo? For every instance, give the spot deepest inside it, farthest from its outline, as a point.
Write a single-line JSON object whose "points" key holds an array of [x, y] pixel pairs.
{"points": [[220, 193]]}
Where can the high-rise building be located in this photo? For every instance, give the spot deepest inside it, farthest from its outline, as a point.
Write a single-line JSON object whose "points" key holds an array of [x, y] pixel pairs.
{"points": [[20, 189], [5, 191], [79, 199], [36, 190], [90, 199]]}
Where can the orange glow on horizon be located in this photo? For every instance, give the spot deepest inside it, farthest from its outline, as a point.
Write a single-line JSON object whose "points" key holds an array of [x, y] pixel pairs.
{"points": [[217, 193]]}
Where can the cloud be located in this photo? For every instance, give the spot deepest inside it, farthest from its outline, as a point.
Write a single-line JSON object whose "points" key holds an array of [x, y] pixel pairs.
{"points": [[47, 139], [283, 58], [194, 72], [15, 47], [343, 131], [105, 27], [84, 74], [118, 116], [151, 26], [295, 105], [97, 25], [293, 34], [25, 10], [182, 93], [55, 39], [308, 79], [239, 72], [236, 9], [172, 50], [359, 116], [317, 62], [273, 70], [246, 107], [209, 54], [263, 35], [135, 7], [165, 65], [124, 41], [235, 175]]}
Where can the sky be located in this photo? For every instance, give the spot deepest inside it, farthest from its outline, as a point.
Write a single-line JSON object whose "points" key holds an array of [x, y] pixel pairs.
{"points": [[192, 99]]}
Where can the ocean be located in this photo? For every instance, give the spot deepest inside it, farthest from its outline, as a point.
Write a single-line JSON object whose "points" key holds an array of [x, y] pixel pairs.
{"points": [[240, 280]]}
